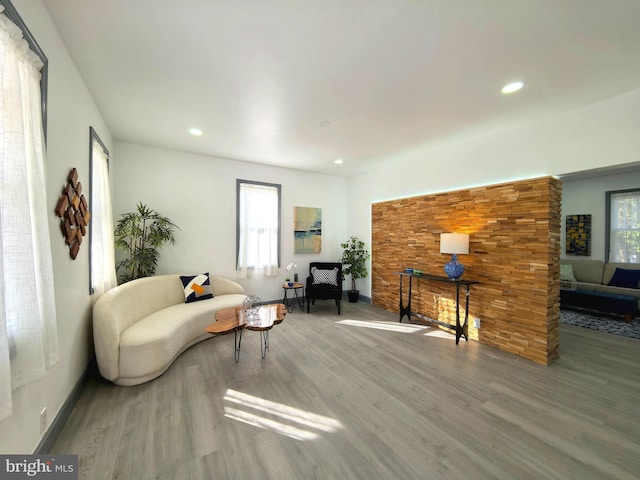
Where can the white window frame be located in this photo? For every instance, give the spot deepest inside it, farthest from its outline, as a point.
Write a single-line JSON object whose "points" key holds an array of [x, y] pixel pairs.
{"points": [[249, 257], [102, 264], [622, 243]]}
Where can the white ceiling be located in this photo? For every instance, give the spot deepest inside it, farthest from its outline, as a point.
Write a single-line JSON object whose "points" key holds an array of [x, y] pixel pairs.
{"points": [[257, 76]]}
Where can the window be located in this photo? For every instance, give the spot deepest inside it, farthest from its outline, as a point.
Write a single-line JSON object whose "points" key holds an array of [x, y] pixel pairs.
{"points": [[28, 332], [623, 226], [6, 8], [102, 270], [257, 227]]}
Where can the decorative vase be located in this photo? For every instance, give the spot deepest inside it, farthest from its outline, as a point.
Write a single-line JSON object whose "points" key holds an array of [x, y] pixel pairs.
{"points": [[251, 308], [454, 269]]}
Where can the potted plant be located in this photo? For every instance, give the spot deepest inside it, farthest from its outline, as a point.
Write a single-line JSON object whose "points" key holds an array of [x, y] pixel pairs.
{"points": [[141, 234], [354, 259], [293, 266]]}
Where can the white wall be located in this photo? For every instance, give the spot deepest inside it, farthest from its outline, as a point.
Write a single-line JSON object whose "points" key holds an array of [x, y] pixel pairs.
{"points": [[198, 193], [587, 196], [71, 111], [598, 135]]}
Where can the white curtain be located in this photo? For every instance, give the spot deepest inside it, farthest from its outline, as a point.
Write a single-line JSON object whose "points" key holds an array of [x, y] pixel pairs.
{"points": [[103, 265], [28, 332], [259, 229]]}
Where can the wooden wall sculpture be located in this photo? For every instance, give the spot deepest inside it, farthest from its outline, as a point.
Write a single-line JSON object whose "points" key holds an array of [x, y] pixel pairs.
{"points": [[73, 211], [514, 253]]}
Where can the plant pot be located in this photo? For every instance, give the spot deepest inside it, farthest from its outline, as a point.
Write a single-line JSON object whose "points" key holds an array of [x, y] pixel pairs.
{"points": [[353, 295]]}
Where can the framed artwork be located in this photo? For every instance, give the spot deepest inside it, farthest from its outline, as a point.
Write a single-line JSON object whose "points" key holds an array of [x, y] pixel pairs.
{"points": [[578, 241], [307, 225]]}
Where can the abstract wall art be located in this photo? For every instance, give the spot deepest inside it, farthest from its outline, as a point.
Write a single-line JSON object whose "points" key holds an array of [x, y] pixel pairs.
{"points": [[578, 228], [73, 211], [307, 223]]}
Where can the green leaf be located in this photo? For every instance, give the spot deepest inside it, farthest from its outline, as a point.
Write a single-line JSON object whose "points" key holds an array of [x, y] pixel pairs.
{"points": [[141, 234], [354, 257]]}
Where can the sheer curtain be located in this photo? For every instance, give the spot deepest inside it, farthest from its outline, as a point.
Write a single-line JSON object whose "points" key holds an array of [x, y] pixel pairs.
{"points": [[258, 225], [28, 333], [103, 264]]}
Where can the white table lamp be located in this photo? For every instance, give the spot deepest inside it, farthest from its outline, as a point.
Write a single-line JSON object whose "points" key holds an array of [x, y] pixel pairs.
{"points": [[455, 244]]}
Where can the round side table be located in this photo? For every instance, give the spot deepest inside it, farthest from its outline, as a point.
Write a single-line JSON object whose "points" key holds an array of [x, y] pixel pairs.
{"points": [[290, 302]]}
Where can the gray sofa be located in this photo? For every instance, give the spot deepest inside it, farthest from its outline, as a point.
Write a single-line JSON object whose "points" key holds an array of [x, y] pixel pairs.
{"points": [[611, 288], [594, 275]]}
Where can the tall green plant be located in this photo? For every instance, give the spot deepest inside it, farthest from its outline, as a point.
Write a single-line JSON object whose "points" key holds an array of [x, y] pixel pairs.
{"points": [[354, 257], [141, 234]]}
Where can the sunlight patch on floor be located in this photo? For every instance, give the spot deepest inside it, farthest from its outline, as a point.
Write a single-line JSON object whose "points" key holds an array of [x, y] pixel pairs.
{"points": [[254, 411], [440, 334], [269, 424], [390, 326]]}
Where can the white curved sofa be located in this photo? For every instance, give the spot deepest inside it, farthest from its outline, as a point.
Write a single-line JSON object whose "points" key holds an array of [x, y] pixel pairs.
{"points": [[140, 327]]}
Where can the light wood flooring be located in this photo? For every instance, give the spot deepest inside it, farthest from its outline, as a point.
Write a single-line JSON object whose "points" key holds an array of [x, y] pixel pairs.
{"points": [[344, 400]]}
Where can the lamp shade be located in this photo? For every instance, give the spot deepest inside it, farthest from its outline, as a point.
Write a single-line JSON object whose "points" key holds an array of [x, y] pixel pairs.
{"points": [[454, 243]]}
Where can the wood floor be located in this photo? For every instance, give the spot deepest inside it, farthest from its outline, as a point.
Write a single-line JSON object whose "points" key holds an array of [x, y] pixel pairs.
{"points": [[367, 399]]}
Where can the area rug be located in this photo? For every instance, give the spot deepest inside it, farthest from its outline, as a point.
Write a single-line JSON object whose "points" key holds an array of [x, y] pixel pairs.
{"points": [[605, 324]]}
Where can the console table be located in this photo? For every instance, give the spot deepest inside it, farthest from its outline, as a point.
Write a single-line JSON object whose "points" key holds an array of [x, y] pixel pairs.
{"points": [[460, 329]]}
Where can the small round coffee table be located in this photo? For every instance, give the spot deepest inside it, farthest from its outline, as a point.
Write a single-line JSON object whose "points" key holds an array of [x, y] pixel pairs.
{"points": [[290, 302]]}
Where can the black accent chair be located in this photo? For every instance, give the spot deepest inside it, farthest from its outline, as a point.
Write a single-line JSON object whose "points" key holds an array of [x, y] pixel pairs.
{"points": [[322, 290]]}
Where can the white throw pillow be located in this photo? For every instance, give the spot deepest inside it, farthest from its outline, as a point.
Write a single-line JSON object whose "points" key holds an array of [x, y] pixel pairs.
{"points": [[329, 277]]}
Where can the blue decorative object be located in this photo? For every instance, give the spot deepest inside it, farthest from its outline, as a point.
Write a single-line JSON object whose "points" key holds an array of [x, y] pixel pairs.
{"points": [[625, 278], [454, 269]]}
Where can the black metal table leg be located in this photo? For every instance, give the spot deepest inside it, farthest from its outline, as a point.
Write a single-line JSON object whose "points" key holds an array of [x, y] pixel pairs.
{"points": [[264, 342], [466, 314], [458, 327], [237, 340], [290, 302], [405, 310], [286, 300], [299, 298]]}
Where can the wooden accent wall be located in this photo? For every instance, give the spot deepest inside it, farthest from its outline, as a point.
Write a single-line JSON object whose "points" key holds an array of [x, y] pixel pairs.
{"points": [[514, 253]]}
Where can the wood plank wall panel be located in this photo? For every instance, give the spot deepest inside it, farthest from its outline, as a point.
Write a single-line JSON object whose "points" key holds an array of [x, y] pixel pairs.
{"points": [[514, 253]]}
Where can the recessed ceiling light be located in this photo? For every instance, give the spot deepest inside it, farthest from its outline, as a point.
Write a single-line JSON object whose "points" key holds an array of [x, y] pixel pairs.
{"points": [[512, 87], [338, 161], [196, 132], [323, 123]]}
